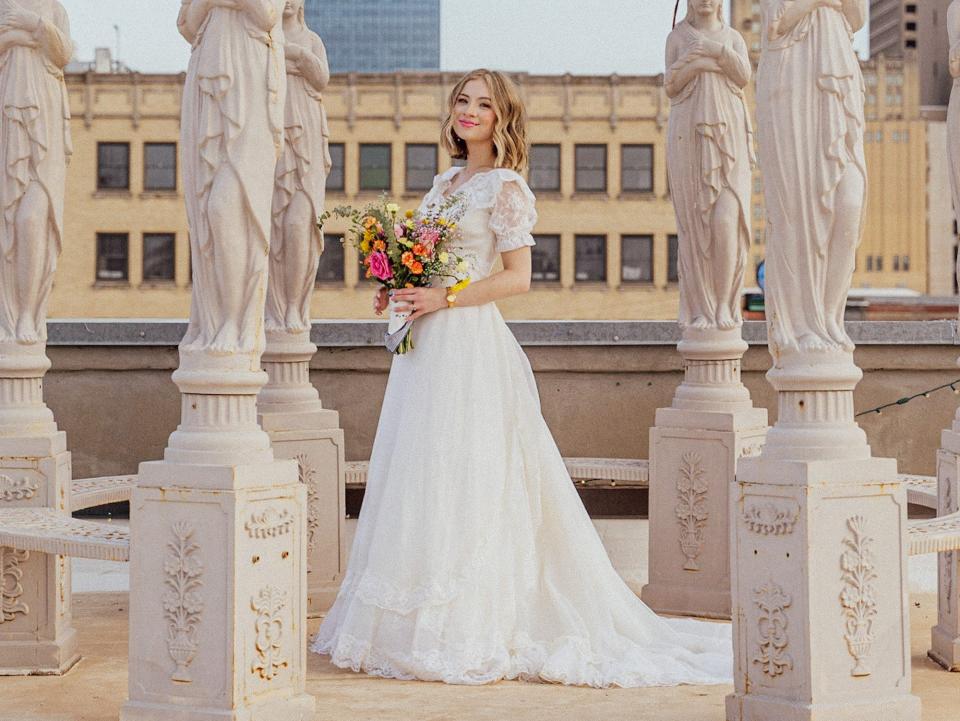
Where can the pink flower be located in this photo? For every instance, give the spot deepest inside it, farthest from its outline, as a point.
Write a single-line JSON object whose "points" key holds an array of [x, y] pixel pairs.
{"points": [[380, 266], [399, 229], [429, 236]]}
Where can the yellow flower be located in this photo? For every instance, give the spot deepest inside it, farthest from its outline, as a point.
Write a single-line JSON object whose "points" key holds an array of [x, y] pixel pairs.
{"points": [[461, 285], [444, 258], [365, 246], [409, 214], [441, 221], [393, 208], [461, 266]]}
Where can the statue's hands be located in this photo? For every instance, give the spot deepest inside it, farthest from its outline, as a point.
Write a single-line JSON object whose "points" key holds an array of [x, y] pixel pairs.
{"points": [[227, 4], [832, 4], [293, 51], [706, 48], [20, 18]]}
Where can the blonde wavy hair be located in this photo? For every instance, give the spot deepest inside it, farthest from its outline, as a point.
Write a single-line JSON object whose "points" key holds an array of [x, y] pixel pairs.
{"points": [[509, 130]]}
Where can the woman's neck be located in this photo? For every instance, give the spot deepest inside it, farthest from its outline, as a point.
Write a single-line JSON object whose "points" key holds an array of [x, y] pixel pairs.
{"points": [[480, 156], [706, 23], [291, 25]]}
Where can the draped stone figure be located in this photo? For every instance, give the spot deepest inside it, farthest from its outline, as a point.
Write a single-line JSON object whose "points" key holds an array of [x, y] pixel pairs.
{"points": [[232, 130], [301, 177], [35, 147], [709, 154], [953, 112], [810, 96]]}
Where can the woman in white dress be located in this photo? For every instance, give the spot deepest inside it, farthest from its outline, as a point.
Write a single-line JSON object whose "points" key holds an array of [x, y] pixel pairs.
{"points": [[474, 559]]}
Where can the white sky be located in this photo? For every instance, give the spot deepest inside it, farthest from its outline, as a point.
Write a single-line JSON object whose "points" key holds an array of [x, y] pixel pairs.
{"points": [[538, 36]]}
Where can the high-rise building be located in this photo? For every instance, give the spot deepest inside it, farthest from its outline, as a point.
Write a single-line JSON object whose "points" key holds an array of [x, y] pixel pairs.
{"points": [[377, 36], [899, 26]]}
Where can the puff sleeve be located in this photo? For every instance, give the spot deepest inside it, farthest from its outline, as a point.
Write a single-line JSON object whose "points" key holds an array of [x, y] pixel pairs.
{"points": [[513, 216]]}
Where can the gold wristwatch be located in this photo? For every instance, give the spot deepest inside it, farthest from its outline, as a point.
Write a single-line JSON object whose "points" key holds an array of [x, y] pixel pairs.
{"points": [[451, 298]]}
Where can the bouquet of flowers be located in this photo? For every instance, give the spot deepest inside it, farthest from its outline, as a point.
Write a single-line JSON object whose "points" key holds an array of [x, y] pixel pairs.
{"points": [[404, 251]]}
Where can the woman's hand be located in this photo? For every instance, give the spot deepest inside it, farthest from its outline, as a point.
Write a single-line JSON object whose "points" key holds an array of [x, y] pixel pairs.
{"points": [[380, 301], [421, 300], [18, 17]]}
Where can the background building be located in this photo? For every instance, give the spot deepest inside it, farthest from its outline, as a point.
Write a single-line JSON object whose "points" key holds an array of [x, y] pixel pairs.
{"points": [[375, 36]]}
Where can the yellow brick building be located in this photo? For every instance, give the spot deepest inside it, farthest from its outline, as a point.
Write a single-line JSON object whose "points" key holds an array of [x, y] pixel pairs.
{"points": [[606, 244]]}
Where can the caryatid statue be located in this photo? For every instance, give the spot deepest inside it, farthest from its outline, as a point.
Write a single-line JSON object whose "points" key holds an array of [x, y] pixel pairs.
{"points": [[953, 112], [709, 157], [35, 147], [810, 96], [301, 177], [231, 130]]}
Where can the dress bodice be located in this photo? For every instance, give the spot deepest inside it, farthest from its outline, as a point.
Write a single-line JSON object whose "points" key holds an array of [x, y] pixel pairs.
{"points": [[497, 215]]}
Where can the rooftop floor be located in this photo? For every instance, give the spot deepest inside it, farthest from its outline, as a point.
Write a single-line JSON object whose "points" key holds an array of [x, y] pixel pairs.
{"points": [[97, 686]]}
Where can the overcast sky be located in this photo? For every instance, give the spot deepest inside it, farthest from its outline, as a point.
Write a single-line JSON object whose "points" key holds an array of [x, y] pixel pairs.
{"points": [[538, 36]]}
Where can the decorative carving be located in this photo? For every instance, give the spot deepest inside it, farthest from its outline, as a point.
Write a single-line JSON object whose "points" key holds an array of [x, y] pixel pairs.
{"points": [[692, 508], [10, 587], [269, 605], [769, 520], [308, 478], [950, 564], [182, 605], [772, 654], [270, 523], [18, 489], [858, 597]]}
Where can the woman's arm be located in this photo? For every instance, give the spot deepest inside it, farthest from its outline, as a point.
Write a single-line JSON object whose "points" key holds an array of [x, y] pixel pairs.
{"points": [[788, 14], [191, 17], [312, 64], [55, 39], [11, 37], [855, 11], [514, 279], [735, 62]]}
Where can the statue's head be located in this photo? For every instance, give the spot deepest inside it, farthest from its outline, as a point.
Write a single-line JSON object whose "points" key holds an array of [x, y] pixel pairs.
{"points": [[294, 8], [704, 8]]}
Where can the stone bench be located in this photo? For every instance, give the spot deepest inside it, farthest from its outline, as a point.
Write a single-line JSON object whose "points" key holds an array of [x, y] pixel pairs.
{"points": [[921, 490], [46, 530], [92, 492]]}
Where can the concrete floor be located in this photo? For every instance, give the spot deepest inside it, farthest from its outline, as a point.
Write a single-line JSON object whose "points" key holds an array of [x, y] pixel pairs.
{"points": [[96, 687]]}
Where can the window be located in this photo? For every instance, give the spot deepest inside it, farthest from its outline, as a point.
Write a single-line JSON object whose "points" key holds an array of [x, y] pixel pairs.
{"points": [[869, 263], [160, 166], [906, 263], [158, 256], [112, 257], [673, 259], [636, 168], [591, 168], [911, 43], [546, 258], [590, 258], [421, 166], [896, 263], [636, 259], [375, 167], [879, 263], [545, 167], [330, 269], [335, 177], [113, 166]]}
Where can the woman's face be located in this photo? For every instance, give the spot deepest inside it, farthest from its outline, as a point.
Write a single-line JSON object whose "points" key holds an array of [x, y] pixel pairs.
{"points": [[473, 114], [292, 7], [706, 8]]}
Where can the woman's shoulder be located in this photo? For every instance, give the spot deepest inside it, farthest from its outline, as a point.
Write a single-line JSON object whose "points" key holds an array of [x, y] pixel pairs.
{"points": [[502, 176]]}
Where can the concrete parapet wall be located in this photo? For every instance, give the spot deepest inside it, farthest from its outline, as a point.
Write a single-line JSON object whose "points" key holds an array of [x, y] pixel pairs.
{"points": [[600, 384]]}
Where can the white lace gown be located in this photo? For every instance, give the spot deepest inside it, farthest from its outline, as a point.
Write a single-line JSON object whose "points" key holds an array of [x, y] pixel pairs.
{"points": [[474, 559]]}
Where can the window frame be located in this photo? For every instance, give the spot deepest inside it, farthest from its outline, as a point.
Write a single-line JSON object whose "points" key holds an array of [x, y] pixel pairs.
{"points": [[673, 257], [577, 170], [604, 254], [173, 257], [541, 240], [161, 189], [559, 169], [624, 148], [406, 166], [342, 168], [100, 238], [328, 240], [652, 265], [389, 168], [113, 144]]}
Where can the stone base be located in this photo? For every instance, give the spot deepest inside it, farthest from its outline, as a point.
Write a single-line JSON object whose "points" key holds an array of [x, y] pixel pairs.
{"points": [[945, 636], [693, 461], [36, 631], [945, 648], [820, 617], [760, 708], [217, 614], [315, 440]]}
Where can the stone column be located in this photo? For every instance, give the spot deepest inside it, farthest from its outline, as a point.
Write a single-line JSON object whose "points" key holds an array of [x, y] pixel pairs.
{"points": [[218, 527], [697, 443], [820, 614], [289, 407], [36, 634], [945, 636], [695, 449]]}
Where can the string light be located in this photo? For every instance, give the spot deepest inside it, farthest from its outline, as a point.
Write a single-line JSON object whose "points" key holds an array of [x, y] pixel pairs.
{"points": [[906, 399]]}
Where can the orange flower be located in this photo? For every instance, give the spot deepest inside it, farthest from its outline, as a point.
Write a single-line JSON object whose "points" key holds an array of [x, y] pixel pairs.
{"points": [[369, 222], [419, 249], [416, 267], [379, 245], [366, 261], [408, 285], [368, 274], [407, 259]]}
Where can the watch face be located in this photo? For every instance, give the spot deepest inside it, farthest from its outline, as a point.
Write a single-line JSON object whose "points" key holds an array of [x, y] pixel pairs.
{"points": [[451, 298]]}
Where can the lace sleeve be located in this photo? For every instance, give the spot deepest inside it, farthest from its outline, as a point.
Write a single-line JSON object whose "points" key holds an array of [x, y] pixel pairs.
{"points": [[513, 216]]}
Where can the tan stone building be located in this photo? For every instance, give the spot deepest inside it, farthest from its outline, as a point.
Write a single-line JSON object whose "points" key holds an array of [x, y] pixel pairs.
{"points": [[606, 244]]}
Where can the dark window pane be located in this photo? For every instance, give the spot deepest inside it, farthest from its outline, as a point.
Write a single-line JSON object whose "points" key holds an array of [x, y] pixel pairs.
{"points": [[160, 166], [591, 258], [335, 178], [637, 259], [636, 167], [545, 167], [421, 166], [158, 256], [673, 259], [330, 269], [546, 258], [374, 167], [591, 162], [113, 166], [112, 256]]}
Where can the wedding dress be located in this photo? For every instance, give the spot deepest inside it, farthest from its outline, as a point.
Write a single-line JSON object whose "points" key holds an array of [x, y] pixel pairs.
{"points": [[474, 559]]}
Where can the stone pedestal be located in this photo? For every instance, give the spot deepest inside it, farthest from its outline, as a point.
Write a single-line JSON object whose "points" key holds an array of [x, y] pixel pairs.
{"points": [[945, 636], [820, 615], [36, 633], [695, 448], [300, 428]]}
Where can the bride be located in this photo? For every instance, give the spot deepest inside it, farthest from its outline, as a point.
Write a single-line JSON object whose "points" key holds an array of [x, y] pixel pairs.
{"points": [[474, 559]]}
